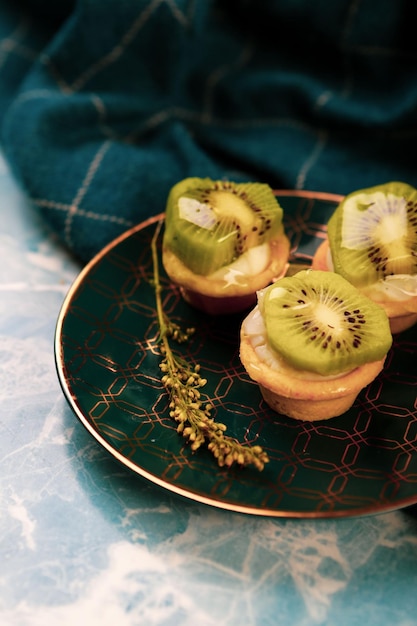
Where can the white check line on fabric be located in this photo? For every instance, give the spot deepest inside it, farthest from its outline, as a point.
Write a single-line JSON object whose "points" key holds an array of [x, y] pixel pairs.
{"points": [[11, 44], [125, 41], [74, 208]]}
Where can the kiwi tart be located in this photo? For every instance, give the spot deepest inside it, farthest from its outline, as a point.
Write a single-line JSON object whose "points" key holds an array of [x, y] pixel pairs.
{"points": [[312, 343], [223, 241], [372, 241]]}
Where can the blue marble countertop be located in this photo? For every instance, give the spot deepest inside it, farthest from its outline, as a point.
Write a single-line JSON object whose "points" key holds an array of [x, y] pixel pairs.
{"points": [[85, 541]]}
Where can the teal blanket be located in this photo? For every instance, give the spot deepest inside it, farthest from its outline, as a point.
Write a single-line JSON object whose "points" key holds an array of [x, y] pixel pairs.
{"points": [[105, 104]]}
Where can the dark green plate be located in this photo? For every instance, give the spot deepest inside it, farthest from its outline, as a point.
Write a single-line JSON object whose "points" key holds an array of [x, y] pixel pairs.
{"points": [[362, 462]]}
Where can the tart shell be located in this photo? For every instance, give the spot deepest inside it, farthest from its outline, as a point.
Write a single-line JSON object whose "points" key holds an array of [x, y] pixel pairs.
{"points": [[220, 296], [307, 400]]}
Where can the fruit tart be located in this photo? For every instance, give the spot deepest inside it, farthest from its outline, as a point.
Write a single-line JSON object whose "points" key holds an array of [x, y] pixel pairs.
{"points": [[223, 241], [312, 343], [372, 242]]}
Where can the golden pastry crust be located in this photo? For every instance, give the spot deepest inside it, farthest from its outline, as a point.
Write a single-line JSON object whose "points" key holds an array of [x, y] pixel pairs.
{"points": [[400, 313], [185, 278], [307, 400], [319, 261], [399, 318]]}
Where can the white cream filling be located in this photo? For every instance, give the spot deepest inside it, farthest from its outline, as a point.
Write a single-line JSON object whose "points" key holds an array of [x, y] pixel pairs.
{"points": [[399, 287], [250, 263], [254, 328]]}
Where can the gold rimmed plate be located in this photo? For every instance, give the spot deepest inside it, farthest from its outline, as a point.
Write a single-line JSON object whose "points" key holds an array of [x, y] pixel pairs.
{"points": [[107, 358]]}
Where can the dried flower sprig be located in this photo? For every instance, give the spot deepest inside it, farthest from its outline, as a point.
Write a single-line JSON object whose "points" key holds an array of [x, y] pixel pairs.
{"points": [[183, 383]]}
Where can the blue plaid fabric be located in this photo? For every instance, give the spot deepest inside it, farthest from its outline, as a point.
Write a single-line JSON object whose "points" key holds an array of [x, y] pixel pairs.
{"points": [[105, 104]]}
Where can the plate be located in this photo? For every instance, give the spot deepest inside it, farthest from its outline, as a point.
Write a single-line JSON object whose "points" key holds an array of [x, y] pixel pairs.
{"points": [[107, 358]]}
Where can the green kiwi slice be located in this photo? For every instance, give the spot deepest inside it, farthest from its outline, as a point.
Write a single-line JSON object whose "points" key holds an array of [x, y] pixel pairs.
{"points": [[209, 224], [373, 234], [319, 322]]}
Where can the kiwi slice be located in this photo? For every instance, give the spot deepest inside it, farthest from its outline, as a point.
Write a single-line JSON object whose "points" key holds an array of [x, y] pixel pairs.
{"points": [[209, 224], [321, 323], [373, 234]]}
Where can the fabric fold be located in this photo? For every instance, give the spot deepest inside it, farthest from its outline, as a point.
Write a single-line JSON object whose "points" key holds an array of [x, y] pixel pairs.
{"points": [[106, 105]]}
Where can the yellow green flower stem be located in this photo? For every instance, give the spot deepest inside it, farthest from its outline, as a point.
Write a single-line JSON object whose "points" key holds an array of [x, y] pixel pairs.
{"points": [[183, 383]]}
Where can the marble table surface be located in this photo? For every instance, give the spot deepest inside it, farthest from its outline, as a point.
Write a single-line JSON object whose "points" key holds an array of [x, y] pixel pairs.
{"points": [[86, 541]]}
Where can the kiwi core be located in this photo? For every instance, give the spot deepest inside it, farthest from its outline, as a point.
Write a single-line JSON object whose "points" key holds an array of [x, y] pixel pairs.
{"points": [[382, 218], [327, 317]]}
